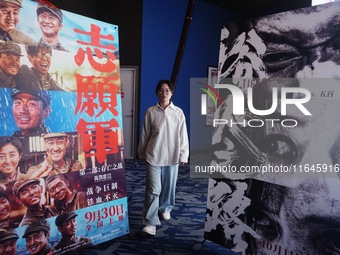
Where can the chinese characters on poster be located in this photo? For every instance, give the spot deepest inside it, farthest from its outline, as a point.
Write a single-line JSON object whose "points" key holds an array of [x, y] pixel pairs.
{"points": [[293, 209], [62, 172]]}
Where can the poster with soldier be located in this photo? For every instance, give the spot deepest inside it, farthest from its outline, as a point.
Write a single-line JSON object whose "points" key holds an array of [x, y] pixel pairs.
{"points": [[275, 145], [62, 173]]}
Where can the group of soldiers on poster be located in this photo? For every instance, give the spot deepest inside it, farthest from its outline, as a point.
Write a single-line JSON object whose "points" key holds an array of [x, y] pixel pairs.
{"points": [[41, 191]]}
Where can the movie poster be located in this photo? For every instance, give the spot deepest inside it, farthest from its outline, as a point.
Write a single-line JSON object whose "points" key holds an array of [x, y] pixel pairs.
{"points": [[62, 173], [275, 161]]}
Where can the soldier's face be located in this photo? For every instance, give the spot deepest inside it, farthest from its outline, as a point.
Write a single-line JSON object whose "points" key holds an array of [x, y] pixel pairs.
{"points": [[69, 227], [9, 16], [36, 242], [8, 247], [30, 195], [41, 61], [9, 160], [49, 24], [5, 209], [301, 49], [29, 112], [301, 221], [58, 189], [56, 148], [9, 63]]}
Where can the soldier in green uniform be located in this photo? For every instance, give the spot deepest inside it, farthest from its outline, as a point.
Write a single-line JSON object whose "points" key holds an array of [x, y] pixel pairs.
{"points": [[50, 20], [9, 18], [56, 161], [30, 109], [28, 193], [10, 54], [65, 199], [37, 77], [5, 209], [69, 242], [8, 242], [37, 236]]}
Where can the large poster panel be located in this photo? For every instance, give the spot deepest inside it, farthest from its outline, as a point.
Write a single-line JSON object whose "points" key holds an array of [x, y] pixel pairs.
{"points": [[275, 153], [62, 173]]}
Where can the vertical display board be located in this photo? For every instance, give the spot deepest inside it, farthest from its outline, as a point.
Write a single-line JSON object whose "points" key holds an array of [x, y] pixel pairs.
{"points": [[62, 172], [275, 158]]}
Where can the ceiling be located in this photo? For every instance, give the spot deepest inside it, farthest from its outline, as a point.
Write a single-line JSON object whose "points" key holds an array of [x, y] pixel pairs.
{"points": [[254, 8]]}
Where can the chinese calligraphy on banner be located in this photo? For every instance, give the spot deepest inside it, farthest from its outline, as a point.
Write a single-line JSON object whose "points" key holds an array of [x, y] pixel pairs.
{"points": [[281, 195], [62, 172]]}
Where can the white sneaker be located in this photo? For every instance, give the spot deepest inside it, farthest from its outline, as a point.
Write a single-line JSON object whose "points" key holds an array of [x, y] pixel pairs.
{"points": [[166, 216], [150, 229]]}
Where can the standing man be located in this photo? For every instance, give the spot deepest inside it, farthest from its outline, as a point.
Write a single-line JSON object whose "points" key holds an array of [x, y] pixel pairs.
{"points": [[10, 54], [164, 145], [65, 200], [56, 162], [30, 109], [37, 235], [28, 193], [9, 18], [8, 242], [67, 226], [50, 20], [37, 77]]}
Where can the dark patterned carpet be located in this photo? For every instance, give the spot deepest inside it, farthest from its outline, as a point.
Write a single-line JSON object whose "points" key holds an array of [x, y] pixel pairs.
{"points": [[182, 234]]}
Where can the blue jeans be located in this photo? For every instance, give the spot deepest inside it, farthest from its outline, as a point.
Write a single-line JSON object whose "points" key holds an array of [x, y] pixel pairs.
{"points": [[160, 192]]}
